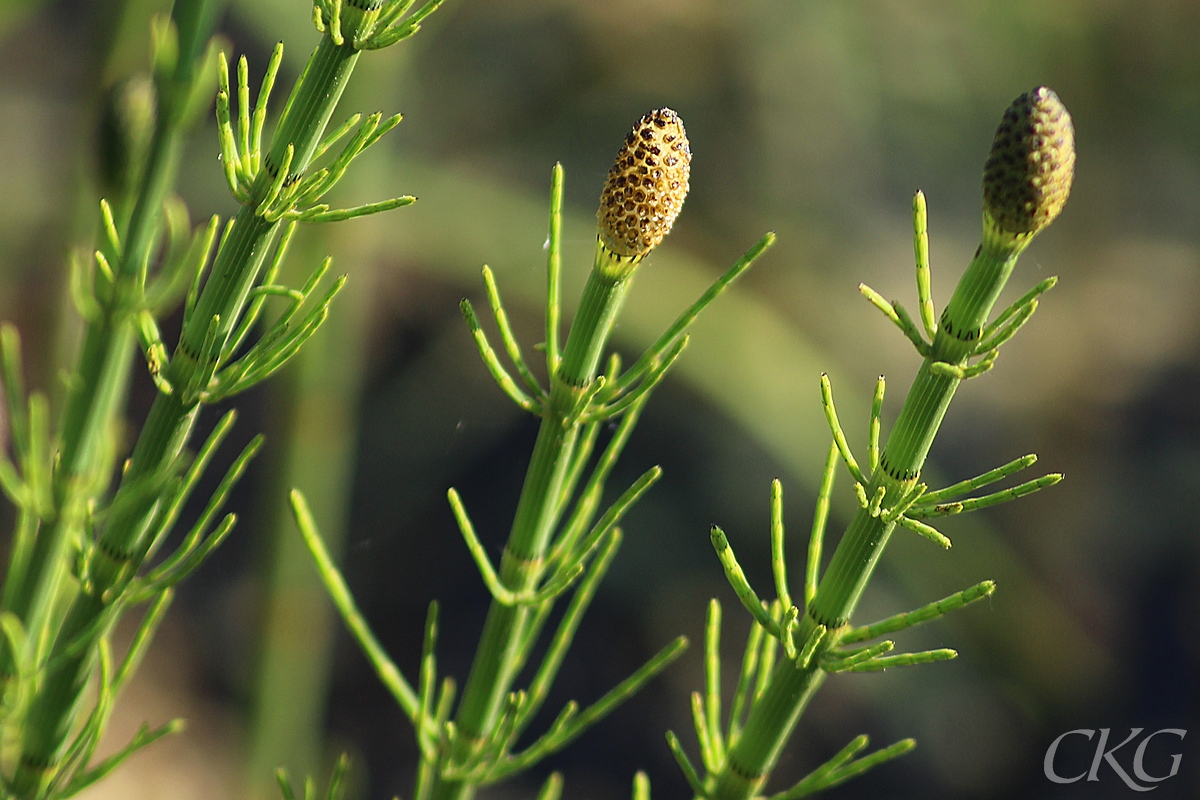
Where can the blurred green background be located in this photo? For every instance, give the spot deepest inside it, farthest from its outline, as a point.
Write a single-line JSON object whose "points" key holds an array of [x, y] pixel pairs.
{"points": [[816, 119]]}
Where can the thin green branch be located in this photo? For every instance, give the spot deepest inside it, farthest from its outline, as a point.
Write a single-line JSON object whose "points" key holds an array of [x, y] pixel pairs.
{"points": [[979, 481], [708, 754], [74, 759], [910, 330], [343, 600], [510, 341], [578, 723], [553, 786], [835, 427], [589, 498], [260, 105], [904, 660], [492, 362], [479, 553], [685, 765], [427, 685], [908, 498], [400, 30], [658, 370], [899, 317], [836, 770], [109, 226], [141, 641], [787, 633], [928, 531], [1008, 331], [812, 781], [215, 503], [322, 213], [840, 661], [742, 694], [612, 517], [579, 461], [145, 737], [875, 505], [641, 786], [737, 580], [921, 252], [271, 353], [685, 320], [876, 422], [712, 680], [860, 766], [990, 330], [502, 594], [809, 649], [925, 613], [275, 202], [392, 12], [553, 270], [961, 373], [556, 651], [254, 310], [778, 561], [816, 538], [190, 560], [925, 510], [335, 136], [202, 260], [13, 376], [770, 648], [243, 92]]}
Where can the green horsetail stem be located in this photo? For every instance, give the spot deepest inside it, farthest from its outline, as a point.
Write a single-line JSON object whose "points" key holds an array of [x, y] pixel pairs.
{"points": [[1026, 182], [100, 378], [101, 372], [642, 196], [123, 540]]}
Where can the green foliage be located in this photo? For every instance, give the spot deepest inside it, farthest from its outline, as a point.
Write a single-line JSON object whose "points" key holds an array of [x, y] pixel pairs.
{"points": [[85, 553], [560, 542], [739, 760], [87, 550], [471, 745], [334, 790]]}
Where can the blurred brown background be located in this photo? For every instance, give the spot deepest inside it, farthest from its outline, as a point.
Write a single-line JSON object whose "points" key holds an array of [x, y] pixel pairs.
{"points": [[816, 119]]}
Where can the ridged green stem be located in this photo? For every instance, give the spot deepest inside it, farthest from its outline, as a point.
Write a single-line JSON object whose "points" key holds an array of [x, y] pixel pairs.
{"points": [[499, 655], [99, 382], [171, 418], [774, 716], [101, 376], [226, 291]]}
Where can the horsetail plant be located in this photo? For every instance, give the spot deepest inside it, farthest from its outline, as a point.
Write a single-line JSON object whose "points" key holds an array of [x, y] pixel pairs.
{"points": [[80, 559], [1027, 179], [559, 540]]}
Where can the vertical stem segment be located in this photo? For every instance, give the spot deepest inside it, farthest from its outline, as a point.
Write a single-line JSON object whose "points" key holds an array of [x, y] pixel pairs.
{"points": [[101, 374], [774, 717], [500, 655], [121, 543]]}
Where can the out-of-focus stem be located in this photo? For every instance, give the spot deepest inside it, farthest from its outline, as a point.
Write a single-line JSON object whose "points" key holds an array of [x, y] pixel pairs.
{"points": [[172, 416]]}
